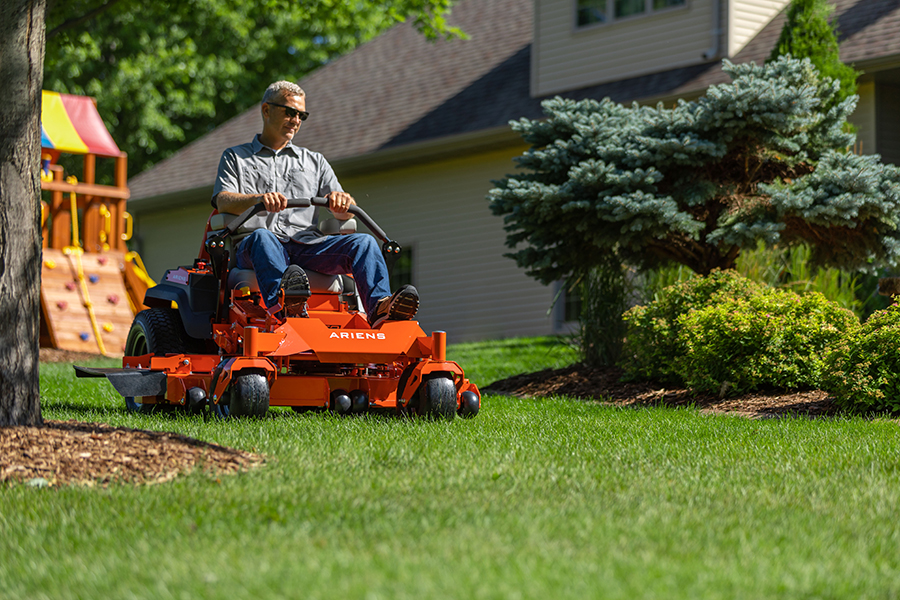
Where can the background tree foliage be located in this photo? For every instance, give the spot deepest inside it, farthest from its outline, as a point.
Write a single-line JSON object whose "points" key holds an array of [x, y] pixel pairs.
{"points": [[755, 159], [810, 33], [166, 72]]}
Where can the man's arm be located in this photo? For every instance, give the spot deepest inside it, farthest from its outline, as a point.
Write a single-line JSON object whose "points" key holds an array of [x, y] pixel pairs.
{"points": [[235, 203]]}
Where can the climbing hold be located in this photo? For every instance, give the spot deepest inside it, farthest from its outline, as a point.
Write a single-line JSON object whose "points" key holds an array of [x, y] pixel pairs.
{"points": [[112, 299], [93, 278], [70, 286], [50, 264], [62, 305], [84, 336], [102, 260], [108, 327]]}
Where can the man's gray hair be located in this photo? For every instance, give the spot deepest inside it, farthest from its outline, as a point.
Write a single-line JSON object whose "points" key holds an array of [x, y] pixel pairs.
{"points": [[281, 90]]}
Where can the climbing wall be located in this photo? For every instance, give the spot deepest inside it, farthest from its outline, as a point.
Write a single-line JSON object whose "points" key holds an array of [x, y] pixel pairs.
{"points": [[64, 311]]}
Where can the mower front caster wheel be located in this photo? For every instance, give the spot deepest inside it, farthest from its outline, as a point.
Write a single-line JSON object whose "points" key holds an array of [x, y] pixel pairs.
{"points": [[249, 395], [437, 398]]}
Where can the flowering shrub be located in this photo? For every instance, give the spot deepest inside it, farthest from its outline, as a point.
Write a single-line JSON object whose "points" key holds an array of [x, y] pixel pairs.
{"points": [[726, 334], [863, 371], [652, 340]]}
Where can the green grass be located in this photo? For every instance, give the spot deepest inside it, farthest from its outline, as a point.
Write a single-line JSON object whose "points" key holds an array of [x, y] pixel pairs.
{"points": [[487, 362], [552, 498]]}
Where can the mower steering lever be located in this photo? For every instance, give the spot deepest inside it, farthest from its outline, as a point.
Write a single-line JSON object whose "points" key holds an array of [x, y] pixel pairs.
{"points": [[390, 248], [354, 210]]}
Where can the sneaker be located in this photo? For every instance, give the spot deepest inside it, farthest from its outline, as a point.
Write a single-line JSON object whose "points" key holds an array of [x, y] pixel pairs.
{"points": [[295, 284], [401, 306]]}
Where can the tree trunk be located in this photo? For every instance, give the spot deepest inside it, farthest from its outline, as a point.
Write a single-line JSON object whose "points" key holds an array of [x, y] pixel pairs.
{"points": [[21, 75]]}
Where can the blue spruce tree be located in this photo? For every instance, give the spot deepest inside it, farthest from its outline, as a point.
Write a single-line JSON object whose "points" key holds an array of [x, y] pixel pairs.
{"points": [[755, 159]]}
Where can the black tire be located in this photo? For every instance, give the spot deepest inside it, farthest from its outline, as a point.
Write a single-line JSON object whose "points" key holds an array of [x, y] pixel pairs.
{"points": [[249, 395], [437, 398], [156, 331]]}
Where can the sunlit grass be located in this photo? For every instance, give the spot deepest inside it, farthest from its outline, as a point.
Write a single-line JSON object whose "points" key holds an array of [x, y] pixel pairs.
{"points": [[550, 498]]}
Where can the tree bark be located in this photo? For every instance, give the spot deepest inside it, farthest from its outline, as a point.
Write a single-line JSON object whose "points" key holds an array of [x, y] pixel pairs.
{"points": [[21, 75]]}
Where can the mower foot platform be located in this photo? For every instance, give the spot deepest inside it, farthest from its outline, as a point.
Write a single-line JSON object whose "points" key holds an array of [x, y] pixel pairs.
{"points": [[129, 382]]}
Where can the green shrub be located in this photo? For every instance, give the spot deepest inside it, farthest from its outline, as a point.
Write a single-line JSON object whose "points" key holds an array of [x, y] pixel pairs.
{"points": [[773, 338], [792, 269], [652, 337], [863, 372], [725, 333]]}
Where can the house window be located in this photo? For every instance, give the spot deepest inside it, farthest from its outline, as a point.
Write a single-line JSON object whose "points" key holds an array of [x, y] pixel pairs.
{"points": [[627, 8], [590, 12], [402, 271], [571, 303]]}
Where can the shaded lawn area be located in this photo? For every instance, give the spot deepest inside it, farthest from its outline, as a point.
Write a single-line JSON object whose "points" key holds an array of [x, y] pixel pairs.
{"points": [[534, 498]]}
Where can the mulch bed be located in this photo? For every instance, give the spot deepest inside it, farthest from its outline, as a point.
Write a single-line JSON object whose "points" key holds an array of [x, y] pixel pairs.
{"points": [[604, 385], [71, 452], [75, 453], [54, 355]]}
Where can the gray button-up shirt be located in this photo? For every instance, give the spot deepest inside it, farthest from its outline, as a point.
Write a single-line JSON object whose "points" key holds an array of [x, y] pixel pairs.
{"points": [[296, 172]]}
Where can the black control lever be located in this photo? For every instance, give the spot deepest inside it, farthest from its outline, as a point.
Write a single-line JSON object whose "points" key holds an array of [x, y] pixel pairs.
{"points": [[389, 248]]}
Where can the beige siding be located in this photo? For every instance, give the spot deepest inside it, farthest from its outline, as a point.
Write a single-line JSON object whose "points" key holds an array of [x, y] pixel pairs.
{"points": [[747, 18], [466, 285], [566, 57], [864, 119]]}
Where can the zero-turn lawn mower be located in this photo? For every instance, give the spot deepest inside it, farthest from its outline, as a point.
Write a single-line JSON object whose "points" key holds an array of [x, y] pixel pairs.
{"points": [[208, 342]]}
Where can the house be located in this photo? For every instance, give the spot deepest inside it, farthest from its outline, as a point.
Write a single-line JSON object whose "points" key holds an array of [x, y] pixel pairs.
{"points": [[417, 130]]}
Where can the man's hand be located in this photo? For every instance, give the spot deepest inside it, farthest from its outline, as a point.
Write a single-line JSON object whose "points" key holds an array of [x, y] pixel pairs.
{"points": [[338, 203], [273, 201]]}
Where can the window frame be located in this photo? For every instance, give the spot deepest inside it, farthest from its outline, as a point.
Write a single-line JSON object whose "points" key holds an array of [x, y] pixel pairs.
{"points": [[611, 18]]}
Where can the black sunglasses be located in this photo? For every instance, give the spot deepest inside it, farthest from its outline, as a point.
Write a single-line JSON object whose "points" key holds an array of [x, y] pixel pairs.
{"points": [[292, 112]]}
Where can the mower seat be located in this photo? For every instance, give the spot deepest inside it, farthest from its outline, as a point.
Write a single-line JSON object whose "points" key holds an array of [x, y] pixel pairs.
{"points": [[319, 283]]}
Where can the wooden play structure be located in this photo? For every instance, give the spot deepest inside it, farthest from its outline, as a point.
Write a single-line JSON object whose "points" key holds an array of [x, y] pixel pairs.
{"points": [[91, 285]]}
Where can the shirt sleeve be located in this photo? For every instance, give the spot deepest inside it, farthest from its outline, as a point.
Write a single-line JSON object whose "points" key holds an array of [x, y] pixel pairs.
{"points": [[328, 181], [227, 176]]}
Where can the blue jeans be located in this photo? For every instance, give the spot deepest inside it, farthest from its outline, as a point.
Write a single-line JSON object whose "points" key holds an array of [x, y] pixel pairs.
{"points": [[356, 253]]}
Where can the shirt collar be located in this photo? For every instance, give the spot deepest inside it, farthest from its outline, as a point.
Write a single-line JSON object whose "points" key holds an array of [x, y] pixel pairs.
{"points": [[257, 147]]}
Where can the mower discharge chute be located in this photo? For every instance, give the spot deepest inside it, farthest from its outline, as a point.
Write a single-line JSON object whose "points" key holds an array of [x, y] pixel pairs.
{"points": [[209, 342]]}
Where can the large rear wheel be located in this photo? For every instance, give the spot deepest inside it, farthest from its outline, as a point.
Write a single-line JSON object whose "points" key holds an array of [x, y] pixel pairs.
{"points": [[156, 331]]}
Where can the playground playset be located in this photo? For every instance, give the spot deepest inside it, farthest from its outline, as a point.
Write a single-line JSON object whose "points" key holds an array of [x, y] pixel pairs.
{"points": [[91, 284]]}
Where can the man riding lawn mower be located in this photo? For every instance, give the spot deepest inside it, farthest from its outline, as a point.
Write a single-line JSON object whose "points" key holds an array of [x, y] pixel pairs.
{"points": [[279, 311]]}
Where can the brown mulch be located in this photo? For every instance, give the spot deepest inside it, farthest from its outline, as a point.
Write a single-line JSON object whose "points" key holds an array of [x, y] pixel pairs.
{"points": [[54, 355], [71, 452], [91, 454], [604, 385]]}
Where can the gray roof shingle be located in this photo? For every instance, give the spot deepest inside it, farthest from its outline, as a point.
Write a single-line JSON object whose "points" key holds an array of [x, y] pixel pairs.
{"points": [[400, 89]]}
